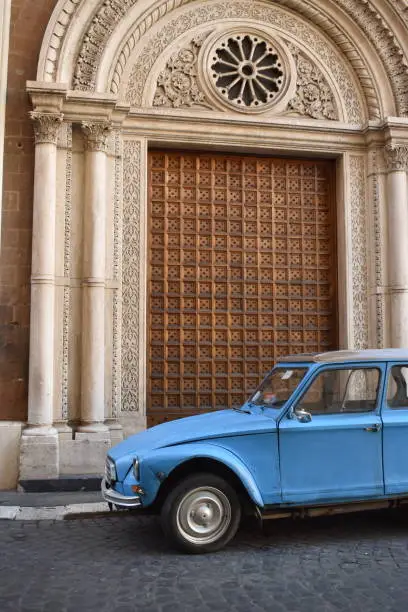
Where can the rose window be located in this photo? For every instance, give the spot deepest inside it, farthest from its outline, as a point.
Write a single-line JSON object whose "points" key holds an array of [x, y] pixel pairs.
{"points": [[247, 71]]}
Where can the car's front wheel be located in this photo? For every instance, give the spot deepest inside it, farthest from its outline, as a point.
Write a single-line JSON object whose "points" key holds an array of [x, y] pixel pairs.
{"points": [[201, 514]]}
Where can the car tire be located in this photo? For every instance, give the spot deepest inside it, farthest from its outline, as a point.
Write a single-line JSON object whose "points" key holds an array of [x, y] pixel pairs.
{"points": [[201, 514]]}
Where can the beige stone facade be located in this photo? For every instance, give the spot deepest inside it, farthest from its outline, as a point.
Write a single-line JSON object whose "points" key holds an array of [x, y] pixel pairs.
{"points": [[116, 79]]}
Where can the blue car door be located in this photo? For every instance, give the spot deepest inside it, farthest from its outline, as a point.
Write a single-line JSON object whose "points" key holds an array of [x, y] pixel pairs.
{"points": [[395, 436], [330, 441]]}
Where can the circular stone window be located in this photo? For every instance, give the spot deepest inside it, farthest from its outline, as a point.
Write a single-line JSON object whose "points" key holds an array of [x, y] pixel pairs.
{"points": [[246, 70]]}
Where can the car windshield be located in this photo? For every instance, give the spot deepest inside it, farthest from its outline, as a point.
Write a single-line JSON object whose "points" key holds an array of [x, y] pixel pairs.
{"points": [[277, 387]]}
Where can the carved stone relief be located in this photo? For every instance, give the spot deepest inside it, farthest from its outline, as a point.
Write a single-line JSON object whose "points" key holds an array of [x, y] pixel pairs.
{"points": [[67, 273], [97, 135], [177, 85], [110, 12], [358, 211], [377, 238], [131, 277], [384, 40], [61, 27], [117, 271], [265, 14], [246, 70], [314, 97], [396, 157], [46, 126]]}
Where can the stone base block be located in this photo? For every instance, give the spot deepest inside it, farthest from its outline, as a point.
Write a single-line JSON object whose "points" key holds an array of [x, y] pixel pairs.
{"points": [[132, 423], [84, 455], [115, 430], [39, 456], [10, 435]]}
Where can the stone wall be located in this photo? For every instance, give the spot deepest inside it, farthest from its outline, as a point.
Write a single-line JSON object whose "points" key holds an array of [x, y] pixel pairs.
{"points": [[28, 23]]}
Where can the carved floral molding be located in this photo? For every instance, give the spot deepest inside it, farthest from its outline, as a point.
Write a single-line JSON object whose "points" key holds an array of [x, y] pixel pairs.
{"points": [[177, 85], [314, 97], [358, 211], [131, 289]]}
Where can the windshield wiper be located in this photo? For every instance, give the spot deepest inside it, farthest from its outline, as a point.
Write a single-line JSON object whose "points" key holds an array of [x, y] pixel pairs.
{"points": [[242, 410]]}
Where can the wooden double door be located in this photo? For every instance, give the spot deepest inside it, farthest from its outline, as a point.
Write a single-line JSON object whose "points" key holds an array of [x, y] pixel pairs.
{"points": [[242, 269]]}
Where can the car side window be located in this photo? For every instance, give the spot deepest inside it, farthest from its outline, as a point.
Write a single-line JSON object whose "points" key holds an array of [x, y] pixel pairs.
{"points": [[350, 390], [397, 390]]}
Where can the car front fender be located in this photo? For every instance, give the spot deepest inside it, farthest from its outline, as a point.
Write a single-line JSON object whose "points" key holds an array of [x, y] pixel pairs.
{"points": [[160, 463]]}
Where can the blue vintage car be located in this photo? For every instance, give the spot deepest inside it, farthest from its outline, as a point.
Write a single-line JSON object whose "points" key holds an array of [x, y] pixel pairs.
{"points": [[323, 433]]}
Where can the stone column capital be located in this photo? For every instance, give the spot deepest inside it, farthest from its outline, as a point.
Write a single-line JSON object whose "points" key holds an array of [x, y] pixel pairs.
{"points": [[96, 135], [396, 157], [46, 126]]}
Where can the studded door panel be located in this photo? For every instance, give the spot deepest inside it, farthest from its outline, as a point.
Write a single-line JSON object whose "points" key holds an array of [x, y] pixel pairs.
{"points": [[242, 269]]}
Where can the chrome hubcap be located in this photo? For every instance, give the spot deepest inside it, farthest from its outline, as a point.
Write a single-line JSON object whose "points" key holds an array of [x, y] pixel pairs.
{"points": [[204, 515]]}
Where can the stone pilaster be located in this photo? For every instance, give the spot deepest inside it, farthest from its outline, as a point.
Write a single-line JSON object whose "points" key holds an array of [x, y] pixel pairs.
{"points": [[396, 158], [93, 323], [39, 446]]}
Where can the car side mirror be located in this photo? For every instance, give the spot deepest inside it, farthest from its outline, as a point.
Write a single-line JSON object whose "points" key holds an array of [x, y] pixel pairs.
{"points": [[303, 416]]}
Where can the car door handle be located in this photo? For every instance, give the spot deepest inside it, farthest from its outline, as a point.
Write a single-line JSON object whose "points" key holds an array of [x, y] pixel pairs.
{"points": [[376, 427]]}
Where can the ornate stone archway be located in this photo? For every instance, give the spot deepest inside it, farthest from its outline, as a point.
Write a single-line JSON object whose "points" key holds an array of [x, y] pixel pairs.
{"points": [[118, 76]]}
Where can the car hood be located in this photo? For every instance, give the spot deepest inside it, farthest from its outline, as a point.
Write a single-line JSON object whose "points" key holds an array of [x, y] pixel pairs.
{"points": [[196, 428]]}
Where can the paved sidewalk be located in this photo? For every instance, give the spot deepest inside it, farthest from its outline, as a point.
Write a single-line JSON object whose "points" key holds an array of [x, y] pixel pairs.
{"points": [[50, 506]]}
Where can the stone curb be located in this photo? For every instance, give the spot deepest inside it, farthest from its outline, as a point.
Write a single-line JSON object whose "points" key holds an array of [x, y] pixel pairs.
{"points": [[53, 513]]}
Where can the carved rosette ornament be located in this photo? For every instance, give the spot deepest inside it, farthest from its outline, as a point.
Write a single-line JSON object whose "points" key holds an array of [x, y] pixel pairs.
{"points": [[396, 157], [177, 85], [97, 135], [314, 97], [46, 127], [247, 70]]}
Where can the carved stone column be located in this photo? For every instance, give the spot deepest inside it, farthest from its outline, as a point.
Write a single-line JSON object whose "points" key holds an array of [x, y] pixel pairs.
{"points": [[93, 321], [397, 206], [39, 448]]}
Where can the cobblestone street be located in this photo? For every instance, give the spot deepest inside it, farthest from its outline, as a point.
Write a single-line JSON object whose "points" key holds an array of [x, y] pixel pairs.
{"points": [[123, 564]]}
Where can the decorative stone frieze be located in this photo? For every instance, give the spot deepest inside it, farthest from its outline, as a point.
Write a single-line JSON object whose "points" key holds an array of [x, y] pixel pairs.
{"points": [[108, 15], [314, 97], [97, 135], [270, 15], [46, 126], [67, 275], [384, 40], [379, 253], [56, 40], [396, 157], [131, 276], [117, 276], [177, 84], [358, 211]]}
